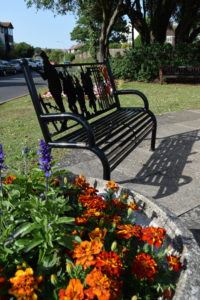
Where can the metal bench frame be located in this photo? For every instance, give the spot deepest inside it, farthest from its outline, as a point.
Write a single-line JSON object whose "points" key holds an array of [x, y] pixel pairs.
{"points": [[111, 131]]}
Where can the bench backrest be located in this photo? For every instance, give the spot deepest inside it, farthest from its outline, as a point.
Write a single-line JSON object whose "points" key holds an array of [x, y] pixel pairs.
{"points": [[86, 89], [179, 70]]}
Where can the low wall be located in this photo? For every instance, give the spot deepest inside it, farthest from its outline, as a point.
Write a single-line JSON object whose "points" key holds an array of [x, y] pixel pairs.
{"points": [[113, 53]]}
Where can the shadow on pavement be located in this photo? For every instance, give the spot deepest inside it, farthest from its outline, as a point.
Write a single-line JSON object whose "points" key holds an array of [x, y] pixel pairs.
{"points": [[165, 166]]}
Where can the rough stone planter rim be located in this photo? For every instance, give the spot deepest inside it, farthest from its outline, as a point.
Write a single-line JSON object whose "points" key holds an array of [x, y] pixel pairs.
{"points": [[188, 285]]}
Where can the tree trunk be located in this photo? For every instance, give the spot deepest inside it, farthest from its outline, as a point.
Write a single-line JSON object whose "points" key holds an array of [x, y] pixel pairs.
{"points": [[109, 17], [189, 14], [160, 19]]}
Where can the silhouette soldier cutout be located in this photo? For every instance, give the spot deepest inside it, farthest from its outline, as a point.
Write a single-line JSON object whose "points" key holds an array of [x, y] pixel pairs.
{"points": [[54, 83], [88, 88], [70, 91], [81, 97]]}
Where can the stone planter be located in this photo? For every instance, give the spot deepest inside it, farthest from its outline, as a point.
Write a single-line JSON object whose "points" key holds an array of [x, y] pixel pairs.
{"points": [[179, 237]]}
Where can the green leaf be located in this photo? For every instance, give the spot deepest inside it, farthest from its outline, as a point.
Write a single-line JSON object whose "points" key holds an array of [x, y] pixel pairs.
{"points": [[31, 228], [21, 229], [65, 220], [22, 242], [33, 244], [7, 250], [50, 261], [66, 241]]}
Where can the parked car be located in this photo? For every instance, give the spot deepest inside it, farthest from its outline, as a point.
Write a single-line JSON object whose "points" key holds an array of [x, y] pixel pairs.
{"points": [[67, 62], [39, 63], [31, 63], [16, 62], [7, 68]]}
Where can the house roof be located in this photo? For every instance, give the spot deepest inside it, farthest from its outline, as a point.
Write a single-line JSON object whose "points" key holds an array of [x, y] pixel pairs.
{"points": [[76, 46], [6, 24]]}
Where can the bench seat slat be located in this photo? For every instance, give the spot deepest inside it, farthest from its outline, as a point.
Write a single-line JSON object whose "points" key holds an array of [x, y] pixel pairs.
{"points": [[102, 128], [120, 157]]}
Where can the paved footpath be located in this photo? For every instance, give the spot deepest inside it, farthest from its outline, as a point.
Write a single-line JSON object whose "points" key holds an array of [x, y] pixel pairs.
{"points": [[170, 175]]}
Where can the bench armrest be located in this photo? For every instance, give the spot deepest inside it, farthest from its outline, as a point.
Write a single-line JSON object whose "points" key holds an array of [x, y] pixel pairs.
{"points": [[135, 92], [74, 117]]}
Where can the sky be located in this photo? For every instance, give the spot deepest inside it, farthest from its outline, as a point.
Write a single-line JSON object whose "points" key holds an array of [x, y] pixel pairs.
{"points": [[37, 28]]}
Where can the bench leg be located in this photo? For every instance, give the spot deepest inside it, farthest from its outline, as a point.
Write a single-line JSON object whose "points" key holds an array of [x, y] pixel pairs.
{"points": [[153, 136], [153, 139], [104, 161]]}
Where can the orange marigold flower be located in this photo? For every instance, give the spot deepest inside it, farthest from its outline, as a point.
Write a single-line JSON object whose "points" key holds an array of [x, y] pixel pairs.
{"points": [[55, 182], [109, 263], [85, 253], [101, 286], [115, 219], [74, 291], [112, 185], [144, 266], [81, 220], [81, 183], [2, 278], [118, 204], [98, 234], [128, 230], [174, 262], [9, 180], [96, 202], [124, 196], [133, 206], [167, 294], [91, 213], [91, 191], [154, 236], [24, 285]]}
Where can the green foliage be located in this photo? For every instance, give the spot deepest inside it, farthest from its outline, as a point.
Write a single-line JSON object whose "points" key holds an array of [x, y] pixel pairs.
{"points": [[69, 56], [37, 50], [126, 45], [138, 41], [114, 45], [22, 50], [59, 235], [55, 55], [142, 63]]}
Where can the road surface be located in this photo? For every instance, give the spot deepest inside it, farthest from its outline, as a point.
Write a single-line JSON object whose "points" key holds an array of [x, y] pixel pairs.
{"points": [[14, 86]]}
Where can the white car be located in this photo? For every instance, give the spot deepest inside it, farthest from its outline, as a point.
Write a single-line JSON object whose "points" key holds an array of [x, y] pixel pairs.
{"points": [[31, 63], [39, 63], [16, 62]]}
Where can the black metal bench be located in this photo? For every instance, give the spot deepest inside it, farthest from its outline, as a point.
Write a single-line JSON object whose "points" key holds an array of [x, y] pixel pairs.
{"points": [[182, 73], [84, 112]]}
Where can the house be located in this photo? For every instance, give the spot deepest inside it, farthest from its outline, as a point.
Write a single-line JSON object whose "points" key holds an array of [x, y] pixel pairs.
{"points": [[170, 34], [6, 36], [132, 33], [75, 48]]}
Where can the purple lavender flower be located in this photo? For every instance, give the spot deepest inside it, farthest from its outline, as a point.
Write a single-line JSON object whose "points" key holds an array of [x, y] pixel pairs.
{"points": [[2, 158], [45, 159]]}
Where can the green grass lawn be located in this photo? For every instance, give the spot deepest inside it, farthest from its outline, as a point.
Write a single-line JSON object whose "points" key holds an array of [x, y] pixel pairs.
{"points": [[166, 97], [19, 126]]}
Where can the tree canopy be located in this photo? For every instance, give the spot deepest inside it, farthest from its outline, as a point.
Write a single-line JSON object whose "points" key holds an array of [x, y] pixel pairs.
{"points": [[151, 18], [22, 50]]}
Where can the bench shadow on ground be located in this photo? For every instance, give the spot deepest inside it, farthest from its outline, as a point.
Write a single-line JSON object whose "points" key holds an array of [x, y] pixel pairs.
{"points": [[165, 167]]}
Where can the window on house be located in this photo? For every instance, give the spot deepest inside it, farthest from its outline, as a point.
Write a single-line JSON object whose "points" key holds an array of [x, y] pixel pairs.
{"points": [[169, 39], [10, 31]]}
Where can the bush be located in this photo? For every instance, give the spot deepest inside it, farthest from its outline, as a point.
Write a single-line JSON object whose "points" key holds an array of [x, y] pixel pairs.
{"points": [[142, 63]]}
